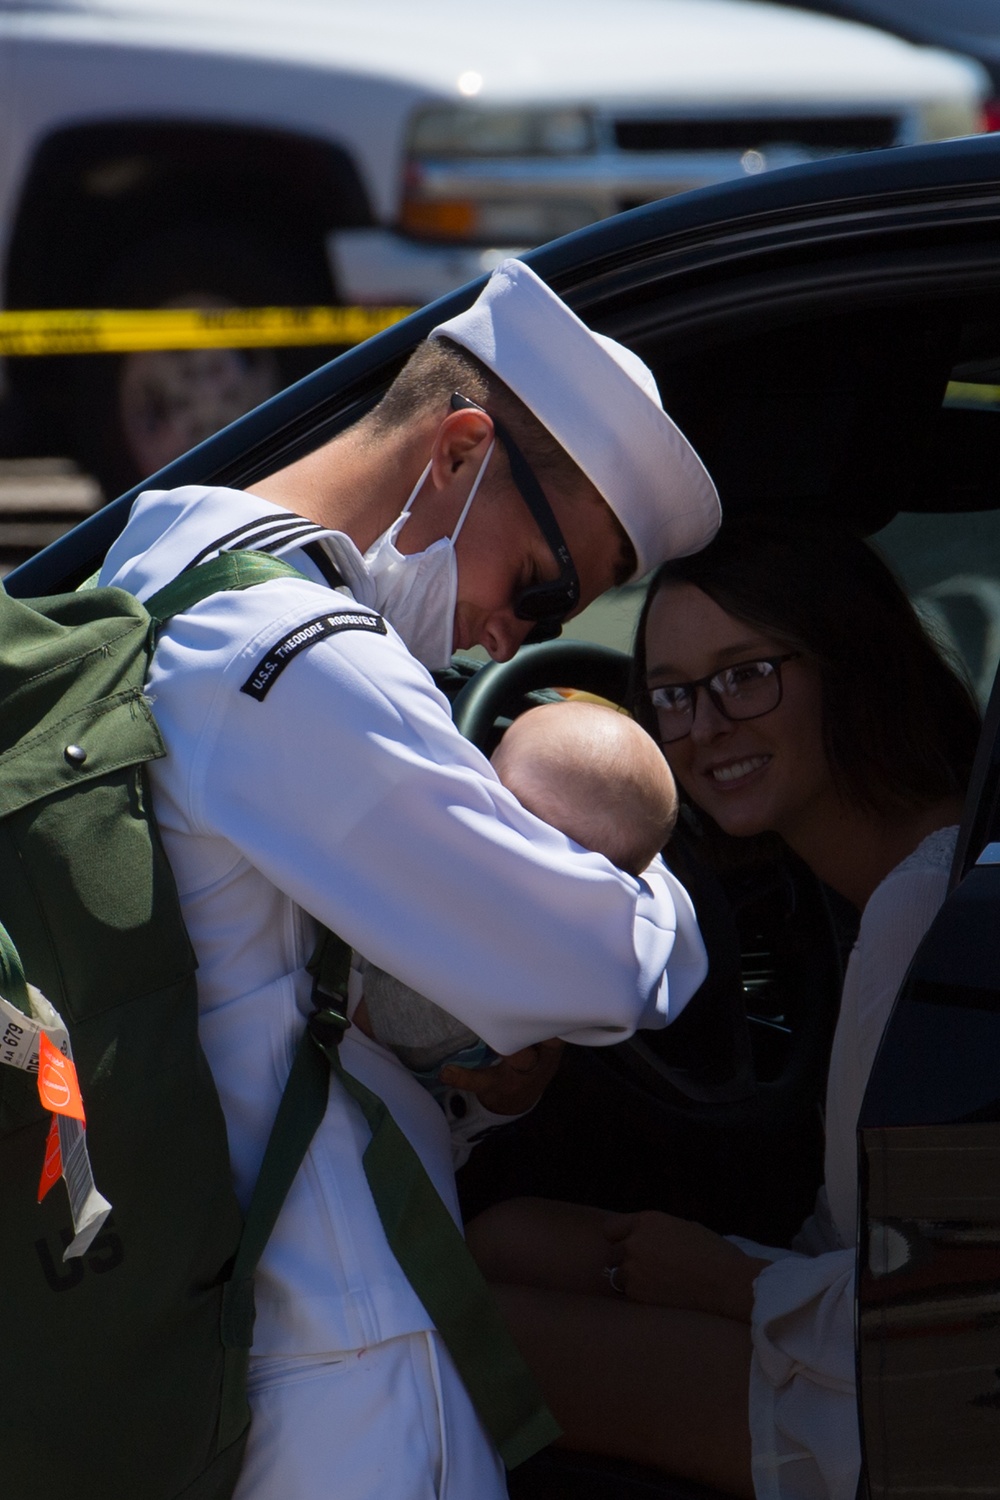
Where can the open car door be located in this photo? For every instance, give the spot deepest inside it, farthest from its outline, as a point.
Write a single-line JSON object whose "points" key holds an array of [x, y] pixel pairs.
{"points": [[929, 1160]]}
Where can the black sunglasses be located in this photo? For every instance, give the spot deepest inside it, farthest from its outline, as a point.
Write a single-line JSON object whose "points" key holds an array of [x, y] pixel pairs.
{"points": [[549, 602]]}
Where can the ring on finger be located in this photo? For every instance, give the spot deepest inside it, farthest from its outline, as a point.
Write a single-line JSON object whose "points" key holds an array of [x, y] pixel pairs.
{"points": [[611, 1272]]}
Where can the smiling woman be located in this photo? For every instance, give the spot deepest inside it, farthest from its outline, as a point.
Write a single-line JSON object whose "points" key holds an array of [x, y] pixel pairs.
{"points": [[869, 730], [796, 696], [746, 739]]}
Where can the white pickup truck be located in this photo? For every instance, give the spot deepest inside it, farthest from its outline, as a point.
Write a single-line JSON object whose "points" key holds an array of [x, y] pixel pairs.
{"points": [[284, 152]]}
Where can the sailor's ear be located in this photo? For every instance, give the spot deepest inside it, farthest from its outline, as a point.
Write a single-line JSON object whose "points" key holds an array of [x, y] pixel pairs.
{"points": [[462, 438]]}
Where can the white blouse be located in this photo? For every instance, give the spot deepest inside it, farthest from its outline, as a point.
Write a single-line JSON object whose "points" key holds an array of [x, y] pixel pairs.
{"points": [[803, 1409]]}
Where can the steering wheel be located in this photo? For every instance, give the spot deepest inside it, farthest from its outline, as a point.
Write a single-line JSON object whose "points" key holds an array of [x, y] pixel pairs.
{"points": [[705, 1057], [499, 690]]}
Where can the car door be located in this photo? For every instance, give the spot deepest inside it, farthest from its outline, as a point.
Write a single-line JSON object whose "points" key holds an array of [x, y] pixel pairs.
{"points": [[929, 1159]]}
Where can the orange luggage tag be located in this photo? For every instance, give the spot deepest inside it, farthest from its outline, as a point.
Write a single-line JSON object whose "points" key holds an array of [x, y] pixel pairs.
{"points": [[39, 1044]]}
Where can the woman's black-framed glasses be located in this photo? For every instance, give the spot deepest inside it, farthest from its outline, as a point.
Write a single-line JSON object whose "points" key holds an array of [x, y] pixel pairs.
{"points": [[746, 690], [548, 602]]}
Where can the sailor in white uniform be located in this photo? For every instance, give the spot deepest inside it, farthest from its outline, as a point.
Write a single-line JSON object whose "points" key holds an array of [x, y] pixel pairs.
{"points": [[314, 776]]}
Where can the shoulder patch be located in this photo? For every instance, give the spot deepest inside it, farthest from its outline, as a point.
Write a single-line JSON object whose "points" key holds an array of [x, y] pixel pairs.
{"points": [[276, 658]]}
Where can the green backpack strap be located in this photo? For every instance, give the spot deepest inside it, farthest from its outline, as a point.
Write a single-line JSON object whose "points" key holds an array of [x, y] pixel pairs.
{"points": [[228, 571], [421, 1233], [428, 1244], [303, 1105], [13, 986]]}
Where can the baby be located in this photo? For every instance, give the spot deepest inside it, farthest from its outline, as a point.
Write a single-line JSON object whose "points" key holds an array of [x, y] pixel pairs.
{"points": [[592, 773]]}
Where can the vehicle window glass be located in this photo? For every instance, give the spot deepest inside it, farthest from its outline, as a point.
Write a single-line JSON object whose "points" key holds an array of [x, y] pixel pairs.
{"points": [[610, 620], [950, 566]]}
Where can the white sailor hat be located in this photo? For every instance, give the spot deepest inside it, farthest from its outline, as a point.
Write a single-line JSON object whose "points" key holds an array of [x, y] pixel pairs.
{"points": [[600, 402]]}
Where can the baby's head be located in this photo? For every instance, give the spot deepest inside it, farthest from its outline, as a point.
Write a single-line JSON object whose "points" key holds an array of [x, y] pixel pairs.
{"points": [[595, 775]]}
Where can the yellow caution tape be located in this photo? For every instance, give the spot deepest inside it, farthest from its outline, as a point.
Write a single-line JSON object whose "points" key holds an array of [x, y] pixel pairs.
{"points": [[971, 393], [124, 331]]}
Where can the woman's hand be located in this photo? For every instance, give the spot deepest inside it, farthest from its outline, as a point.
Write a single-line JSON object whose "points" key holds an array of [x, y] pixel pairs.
{"points": [[514, 1084], [676, 1263]]}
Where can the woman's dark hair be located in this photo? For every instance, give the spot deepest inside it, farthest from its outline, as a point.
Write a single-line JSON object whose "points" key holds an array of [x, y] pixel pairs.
{"points": [[900, 724]]}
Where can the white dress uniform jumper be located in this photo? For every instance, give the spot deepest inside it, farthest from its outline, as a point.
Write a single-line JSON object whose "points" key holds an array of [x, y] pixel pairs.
{"points": [[314, 775]]}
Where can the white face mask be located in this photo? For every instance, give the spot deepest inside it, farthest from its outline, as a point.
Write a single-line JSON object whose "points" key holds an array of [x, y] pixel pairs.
{"points": [[417, 592]]}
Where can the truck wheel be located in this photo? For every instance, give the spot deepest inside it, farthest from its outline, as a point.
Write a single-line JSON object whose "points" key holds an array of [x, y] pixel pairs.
{"points": [[133, 413]]}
